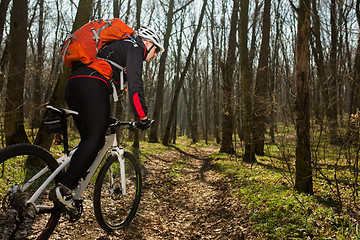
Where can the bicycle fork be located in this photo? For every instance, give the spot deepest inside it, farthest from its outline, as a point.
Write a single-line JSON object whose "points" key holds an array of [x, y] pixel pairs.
{"points": [[119, 153]]}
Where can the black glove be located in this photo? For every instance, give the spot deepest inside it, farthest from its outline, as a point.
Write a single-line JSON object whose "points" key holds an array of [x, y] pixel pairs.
{"points": [[143, 123]]}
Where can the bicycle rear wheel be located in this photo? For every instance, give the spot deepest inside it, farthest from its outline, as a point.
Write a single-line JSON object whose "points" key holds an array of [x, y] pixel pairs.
{"points": [[18, 164], [113, 210]]}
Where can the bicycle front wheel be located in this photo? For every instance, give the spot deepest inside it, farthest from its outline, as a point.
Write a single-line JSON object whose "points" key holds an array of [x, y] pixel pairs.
{"points": [[23, 168], [114, 209]]}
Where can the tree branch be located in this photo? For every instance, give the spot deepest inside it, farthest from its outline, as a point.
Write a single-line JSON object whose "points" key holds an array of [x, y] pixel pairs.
{"points": [[187, 4]]}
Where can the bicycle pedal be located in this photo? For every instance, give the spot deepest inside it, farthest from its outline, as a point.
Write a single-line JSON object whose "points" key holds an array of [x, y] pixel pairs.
{"points": [[74, 217], [70, 216]]}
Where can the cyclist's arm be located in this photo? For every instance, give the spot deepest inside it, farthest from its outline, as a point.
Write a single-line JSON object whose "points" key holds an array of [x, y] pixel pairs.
{"points": [[134, 65]]}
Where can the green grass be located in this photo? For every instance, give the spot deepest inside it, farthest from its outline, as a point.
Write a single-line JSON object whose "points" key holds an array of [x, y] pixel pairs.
{"points": [[277, 211]]}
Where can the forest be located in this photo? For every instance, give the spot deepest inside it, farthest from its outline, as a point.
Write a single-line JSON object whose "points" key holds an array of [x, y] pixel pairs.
{"points": [[272, 83]]}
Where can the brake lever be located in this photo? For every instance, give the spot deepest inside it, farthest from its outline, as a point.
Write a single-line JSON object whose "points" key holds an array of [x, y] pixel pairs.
{"points": [[132, 126]]}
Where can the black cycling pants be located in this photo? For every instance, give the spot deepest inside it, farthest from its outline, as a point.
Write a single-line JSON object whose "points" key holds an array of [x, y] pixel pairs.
{"points": [[90, 97]]}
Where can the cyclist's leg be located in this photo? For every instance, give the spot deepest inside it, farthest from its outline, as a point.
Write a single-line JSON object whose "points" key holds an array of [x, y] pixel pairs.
{"points": [[89, 97]]}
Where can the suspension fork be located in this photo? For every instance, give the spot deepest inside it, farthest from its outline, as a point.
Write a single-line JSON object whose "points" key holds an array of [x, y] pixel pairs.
{"points": [[119, 153]]}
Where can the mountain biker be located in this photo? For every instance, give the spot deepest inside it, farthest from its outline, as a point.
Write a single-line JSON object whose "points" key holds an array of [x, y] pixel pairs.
{"points": [[88, 93]]}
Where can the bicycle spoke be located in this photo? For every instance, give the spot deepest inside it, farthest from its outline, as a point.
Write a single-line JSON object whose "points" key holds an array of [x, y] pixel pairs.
{"points": [[17, 220], [113, 209]]}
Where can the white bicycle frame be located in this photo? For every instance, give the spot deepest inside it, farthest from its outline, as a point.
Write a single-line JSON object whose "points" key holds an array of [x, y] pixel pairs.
{"points": [[64, 161]]}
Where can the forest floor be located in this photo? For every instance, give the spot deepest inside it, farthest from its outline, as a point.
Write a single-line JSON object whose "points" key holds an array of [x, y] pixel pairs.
{"points": [[183, 197]]}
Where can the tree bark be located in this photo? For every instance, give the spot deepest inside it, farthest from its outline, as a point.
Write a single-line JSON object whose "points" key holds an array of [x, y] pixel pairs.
{"points": [[194, 100], [43, 138], [332, 86], [38, 90], [177, 74], [3, 66], [14, 116], [254, 39], [128, 12], [153, 137], [215, 79], [261, 98], [319, 59], [116, 7], [303, 178], [166, 137], [227, 68], [356, 82], [247, 111], [138, 13], [3, 9]]}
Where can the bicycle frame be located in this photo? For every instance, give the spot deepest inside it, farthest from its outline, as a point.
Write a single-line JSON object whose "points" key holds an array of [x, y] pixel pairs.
{"points": [[64, 161]]}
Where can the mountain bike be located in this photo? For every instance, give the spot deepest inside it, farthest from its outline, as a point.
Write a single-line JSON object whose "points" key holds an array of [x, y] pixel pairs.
{"points": [[28, 173]]}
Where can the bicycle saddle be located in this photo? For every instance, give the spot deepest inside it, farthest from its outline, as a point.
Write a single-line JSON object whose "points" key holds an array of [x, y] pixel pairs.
{"points": [[61, 111]]}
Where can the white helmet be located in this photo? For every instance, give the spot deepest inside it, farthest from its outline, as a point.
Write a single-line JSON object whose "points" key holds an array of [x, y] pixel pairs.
{"points": [[149, 33]]}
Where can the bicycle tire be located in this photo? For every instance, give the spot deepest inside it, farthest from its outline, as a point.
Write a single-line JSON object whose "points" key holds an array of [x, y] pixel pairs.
{"points": [[18, 163], [113, 210]]}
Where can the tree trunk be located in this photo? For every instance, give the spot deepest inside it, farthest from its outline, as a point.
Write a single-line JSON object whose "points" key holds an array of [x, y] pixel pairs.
{"points": [[303, 178], [138, 13], [319, 59], [332, 109], [178, 87], [128, 12], [14, 116], [254, 39], [38, 90], [228, 73], [356, 83], [116, 7], [194, 99], [3, 66], [247, 112], [206, 99], [214, 75], [353, 133], [153, 137], [177, 74], [3, 9], [261, 98], [43, 138]]}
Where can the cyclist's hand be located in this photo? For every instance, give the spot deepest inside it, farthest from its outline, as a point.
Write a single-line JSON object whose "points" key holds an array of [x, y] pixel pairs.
{"points": [[143, 123]]}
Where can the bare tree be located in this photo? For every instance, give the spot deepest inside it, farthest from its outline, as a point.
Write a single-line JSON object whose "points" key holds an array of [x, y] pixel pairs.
{"points": [[228, 73], [116, 7], [38, 90], [356, 81], [247, 111], [214, 73], [3, 9], [178, 87], [332, 112], [14, 118], [138, 13], [128, 12], [261, 98], [303, 178], [153, 137]]}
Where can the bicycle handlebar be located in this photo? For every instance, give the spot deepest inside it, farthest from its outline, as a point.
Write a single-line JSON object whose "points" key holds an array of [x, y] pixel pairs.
{"points": [[128, 125]]}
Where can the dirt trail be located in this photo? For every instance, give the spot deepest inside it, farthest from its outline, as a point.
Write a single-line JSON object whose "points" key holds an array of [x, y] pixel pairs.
{"points": [[183, 198]]}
